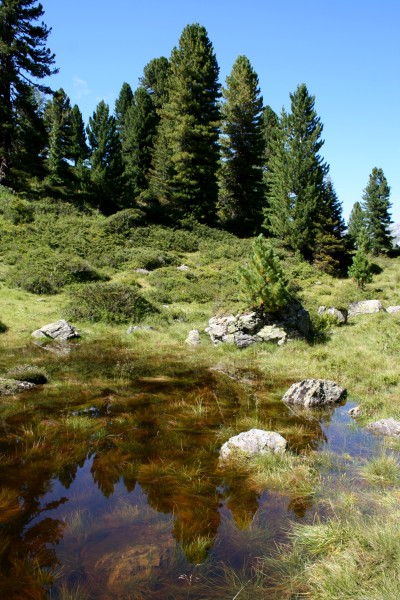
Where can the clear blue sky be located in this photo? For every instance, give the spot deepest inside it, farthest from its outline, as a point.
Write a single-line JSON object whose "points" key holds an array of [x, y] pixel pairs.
{"points": [[346, 51]]}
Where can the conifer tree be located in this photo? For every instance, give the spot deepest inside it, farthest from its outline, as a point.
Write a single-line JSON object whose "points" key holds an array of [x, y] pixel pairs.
{"points": [[296, 175], [356, 223], [262, 281], [155, 80], [186, 154], [376, 206], [241, 194], [122, 105], [137, 141], [105, 158], [58, 122], [24, 59], [330, 247], [360, 269], [78, 150]]}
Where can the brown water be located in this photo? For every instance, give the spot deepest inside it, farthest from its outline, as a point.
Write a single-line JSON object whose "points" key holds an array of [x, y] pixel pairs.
{"points": [[110, 480]]}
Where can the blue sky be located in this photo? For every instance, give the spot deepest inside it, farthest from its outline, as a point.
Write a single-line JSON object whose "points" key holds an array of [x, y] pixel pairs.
{"points": [[346, 51]]}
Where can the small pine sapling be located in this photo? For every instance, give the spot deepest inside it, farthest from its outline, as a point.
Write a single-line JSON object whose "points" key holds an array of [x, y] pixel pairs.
{"points": [[360, 269]]}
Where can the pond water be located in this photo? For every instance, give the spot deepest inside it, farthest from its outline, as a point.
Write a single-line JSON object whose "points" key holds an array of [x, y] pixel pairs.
{"points": [[110, 483]]}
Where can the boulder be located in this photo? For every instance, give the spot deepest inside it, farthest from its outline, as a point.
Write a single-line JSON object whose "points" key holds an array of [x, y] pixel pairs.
{"points": [[182, 268], [253, 442], [193, 338], [60, 330], [355, 412], [339, 315], [393, 309], [314, 393], [250, 328], [365, 307], [142, 271], [389, 427], [9, 387]]}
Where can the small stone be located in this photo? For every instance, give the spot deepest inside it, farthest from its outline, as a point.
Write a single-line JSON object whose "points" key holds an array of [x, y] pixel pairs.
{"points": [[393, 309], [253, 442], [134, 328], [193, 338], [365, 307], [355, 412], [142, 271], [314, 393], [60, 330], [340, 315], [183, 268], [389, 427]]}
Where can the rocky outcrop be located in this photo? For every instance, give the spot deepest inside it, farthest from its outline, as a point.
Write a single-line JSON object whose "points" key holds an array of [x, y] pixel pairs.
{"points": [[338, 315], [193, 338], [253, 442], [250, 328], [314, 393], [393, 309], [365, 307], [9, 387], [61, 331], [389, 427]]}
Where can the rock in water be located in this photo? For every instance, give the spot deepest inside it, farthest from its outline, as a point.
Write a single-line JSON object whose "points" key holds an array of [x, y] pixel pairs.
{"points": [[60, 330], [253, 442], [389, 427], [314, 393]]}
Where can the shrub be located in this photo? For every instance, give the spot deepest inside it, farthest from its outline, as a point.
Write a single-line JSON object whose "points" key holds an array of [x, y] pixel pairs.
{"points": [[124, 221], [262, 281], [109, 302], [3, 327], [360, 269], [165, 238]]}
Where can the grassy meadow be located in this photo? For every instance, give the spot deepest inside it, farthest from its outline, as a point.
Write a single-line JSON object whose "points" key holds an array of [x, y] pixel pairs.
{"points": [[104, 274]]}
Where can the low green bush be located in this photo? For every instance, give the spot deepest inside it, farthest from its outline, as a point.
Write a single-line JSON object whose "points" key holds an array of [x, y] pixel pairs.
{"points": [[165, 238], [109, 302], [122, 222], [3, 327]]}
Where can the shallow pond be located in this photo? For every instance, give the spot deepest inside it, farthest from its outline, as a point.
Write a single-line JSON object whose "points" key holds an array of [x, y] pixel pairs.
{"points": [[110, 484]]}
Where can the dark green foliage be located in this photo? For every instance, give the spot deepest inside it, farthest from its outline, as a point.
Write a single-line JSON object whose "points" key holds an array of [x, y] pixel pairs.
{"points": [[376, 206], [57, 117], [78, 150], [185, 163], [122, 105], [361, 269], [24, 59], [106, 168], [241, 195], [155, 80], [19, 211], [3, 327], [356, 223], [46, 272], [123, 221], [262, 281], [296, 176], [109, 302], [330, 248], [29, 373], [138, 137]]}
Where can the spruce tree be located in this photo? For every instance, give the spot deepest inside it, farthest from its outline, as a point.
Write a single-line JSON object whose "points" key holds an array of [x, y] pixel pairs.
{"points": [[241, 194], [186, 154], [24, 59], [122, 105], [58, 123], [296, 175], [137, 142], [105, 158], [330, 242], [78, 150], [262, 281], [356, 223], [155, 80], [376, 206], [360, 269]]}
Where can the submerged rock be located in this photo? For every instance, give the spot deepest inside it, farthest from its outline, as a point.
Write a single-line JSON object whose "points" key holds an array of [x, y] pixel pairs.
{"points": [[339, 315], [193, 338], [60, 330], [314, 393], [365, 307], [389, 427], [9, 387], [253, 442]]}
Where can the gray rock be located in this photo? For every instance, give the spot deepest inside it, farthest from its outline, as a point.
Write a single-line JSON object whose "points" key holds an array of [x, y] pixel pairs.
{"points": [[389, 427], [355, 412], [365, 307], [60, 330], [314, 393], [193, 338], [9, 387], [183, 268], [250, 328], [393, 309], [253, 442], [134, 328], [340, 316], [142, 271]]}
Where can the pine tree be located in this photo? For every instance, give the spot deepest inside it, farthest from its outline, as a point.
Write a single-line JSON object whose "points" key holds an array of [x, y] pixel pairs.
{"points": [[241, 195], [360, 269], [24, 59], [138, 140], [78, 150], [330, 242], [122, 105], [58, 122], [262, 281], [296, 175], [376, 206], [186, 155], [356, 223], [105, 158], [155, 80]]}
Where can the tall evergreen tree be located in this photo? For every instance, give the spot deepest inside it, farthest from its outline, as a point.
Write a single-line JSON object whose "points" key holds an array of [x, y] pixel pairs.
{"points": [[241, 195], [155, 80], [105, 157], [137, 141], [78, 150], [356, 224], [186, 154], [24, 59], [296, 175], [122, 105], [58, 122], [376, 206], [330, 245]]}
